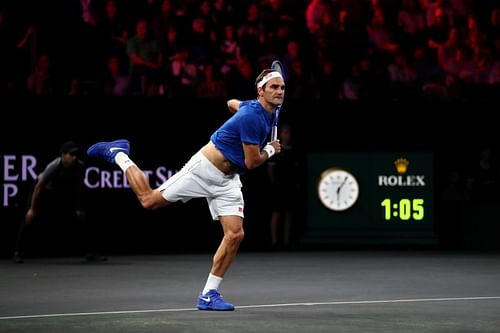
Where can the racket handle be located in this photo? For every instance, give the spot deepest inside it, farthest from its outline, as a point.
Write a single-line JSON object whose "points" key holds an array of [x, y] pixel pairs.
{"points": [[274, 133]]}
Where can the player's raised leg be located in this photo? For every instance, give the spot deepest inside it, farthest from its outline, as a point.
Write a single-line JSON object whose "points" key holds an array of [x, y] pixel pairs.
{"points": [[117, 152]]}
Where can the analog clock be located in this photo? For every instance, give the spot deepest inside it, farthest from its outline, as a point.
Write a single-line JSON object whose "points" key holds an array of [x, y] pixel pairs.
{"points": [[337, 189]]}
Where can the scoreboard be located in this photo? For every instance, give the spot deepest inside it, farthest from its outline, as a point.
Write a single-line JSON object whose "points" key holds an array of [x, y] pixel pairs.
{"points": [[370, 198]]}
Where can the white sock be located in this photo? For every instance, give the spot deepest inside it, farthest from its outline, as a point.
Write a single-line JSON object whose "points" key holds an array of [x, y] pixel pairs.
{"points": [[123, 161], [213, 282]]}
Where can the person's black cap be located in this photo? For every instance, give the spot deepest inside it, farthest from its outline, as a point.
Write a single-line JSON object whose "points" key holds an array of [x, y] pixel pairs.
{"points": [[69, 147]]}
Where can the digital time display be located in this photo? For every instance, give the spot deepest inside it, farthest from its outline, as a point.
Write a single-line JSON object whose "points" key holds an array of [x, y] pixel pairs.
{"points": [[395, 198], [404, 209]]}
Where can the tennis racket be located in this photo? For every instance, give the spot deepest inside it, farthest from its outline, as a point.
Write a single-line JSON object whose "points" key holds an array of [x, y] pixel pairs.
{"points": [[277, 66]]}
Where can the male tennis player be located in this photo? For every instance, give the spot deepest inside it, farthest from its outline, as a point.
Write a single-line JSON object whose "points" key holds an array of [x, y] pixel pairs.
{"points": [[213, 173]]}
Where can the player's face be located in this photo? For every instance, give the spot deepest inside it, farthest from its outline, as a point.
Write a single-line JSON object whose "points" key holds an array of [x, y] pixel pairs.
{"points": [[274, 91]]}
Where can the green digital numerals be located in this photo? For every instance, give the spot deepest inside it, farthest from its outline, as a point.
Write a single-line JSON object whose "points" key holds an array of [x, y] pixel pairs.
{"points": [[403, 209]]}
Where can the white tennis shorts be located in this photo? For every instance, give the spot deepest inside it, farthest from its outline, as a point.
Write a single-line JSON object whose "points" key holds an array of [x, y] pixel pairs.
{"points": [[199, 178]]}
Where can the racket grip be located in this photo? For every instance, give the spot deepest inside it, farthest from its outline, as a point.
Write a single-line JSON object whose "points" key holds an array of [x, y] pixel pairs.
{"points": [[274, 133]]}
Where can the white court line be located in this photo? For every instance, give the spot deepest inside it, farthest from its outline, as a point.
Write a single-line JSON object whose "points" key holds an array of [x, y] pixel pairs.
{"points": [[372, 302], [479, 298]]}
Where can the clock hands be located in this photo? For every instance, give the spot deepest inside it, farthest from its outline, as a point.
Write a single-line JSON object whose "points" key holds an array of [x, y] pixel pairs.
{"points": [[340, 187]]}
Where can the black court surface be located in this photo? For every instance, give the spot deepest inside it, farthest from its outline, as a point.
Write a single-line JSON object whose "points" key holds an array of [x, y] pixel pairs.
{"points": [[334, 291]]}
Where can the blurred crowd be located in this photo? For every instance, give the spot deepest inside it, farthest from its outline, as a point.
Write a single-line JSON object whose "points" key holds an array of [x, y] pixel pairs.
{"points": [[335, 49]]}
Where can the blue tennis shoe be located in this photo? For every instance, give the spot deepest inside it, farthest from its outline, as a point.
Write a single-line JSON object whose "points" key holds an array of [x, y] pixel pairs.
{"points": [[108, 150], [213, 301]]}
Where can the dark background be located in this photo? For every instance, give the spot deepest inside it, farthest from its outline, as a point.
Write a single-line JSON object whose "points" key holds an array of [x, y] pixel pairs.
{"points": [[166, 132]]}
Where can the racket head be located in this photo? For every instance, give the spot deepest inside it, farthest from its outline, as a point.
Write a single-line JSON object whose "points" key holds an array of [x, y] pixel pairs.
{"points": [[278, 66]]}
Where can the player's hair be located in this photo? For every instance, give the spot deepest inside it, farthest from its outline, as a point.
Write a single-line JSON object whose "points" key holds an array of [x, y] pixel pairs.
{"points": [[261, 76]]}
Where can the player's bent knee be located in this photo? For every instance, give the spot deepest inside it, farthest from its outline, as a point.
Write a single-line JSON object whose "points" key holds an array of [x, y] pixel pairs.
{"points": [[235, 236], [147, 204], [152, 200]]}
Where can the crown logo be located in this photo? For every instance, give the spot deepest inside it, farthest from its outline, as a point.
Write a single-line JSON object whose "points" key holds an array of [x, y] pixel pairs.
{"points": [[401, 165]]}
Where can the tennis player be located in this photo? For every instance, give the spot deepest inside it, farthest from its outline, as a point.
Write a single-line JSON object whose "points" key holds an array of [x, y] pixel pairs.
{"points": [[213, 173]]}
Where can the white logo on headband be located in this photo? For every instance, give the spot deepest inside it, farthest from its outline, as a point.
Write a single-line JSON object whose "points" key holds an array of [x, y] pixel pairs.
{"points": [[270, 76]]}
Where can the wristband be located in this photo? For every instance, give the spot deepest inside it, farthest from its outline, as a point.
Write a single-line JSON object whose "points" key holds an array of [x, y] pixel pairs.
{"points": [[269, 149]]}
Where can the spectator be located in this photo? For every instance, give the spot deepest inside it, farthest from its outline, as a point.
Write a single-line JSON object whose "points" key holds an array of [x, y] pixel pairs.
{"points": [[483, 182], [145, 59], [40, 81], [211, 86]]}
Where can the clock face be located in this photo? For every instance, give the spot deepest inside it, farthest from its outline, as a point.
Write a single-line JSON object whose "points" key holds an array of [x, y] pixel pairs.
{"points": [[337, 189]]}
